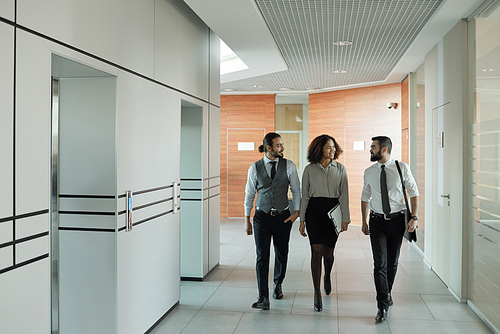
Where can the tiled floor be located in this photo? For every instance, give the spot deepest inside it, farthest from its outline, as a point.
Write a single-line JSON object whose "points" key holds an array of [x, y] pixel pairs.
{"points": [[222, 303]]}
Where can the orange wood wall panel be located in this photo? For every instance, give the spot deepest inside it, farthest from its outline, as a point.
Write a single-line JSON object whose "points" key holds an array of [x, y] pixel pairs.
{"points": [[244, 118], [357, 115]]}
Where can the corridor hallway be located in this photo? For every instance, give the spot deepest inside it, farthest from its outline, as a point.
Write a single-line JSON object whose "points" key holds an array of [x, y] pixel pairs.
{"points": [[222, 303]]}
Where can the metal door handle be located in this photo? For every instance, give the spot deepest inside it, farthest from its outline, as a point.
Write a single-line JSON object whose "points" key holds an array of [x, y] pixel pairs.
{"points": [[176, 196], [446, 196], [129, 224]]}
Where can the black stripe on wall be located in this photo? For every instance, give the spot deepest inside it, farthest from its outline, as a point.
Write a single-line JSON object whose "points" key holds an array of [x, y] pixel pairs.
{"points": [[14, 135], [86, 229], [6, 219], [32, 214], [22, 264], [19, 241], [87, 213], [88, 54], [151, 190], [87, 196]]}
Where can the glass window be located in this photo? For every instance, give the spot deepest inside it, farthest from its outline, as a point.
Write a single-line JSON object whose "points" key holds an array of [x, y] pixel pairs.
{"points": [[484, 167]]}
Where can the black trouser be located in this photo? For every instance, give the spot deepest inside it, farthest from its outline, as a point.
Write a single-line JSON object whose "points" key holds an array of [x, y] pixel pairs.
{"points": [[266, 226], [386, 237]]}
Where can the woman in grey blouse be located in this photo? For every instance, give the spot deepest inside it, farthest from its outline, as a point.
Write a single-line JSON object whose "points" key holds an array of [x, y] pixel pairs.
{"points": [[324, 185]]}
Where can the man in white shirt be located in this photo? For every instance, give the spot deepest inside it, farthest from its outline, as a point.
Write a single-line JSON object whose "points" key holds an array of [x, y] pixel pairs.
{"points": [[383, 196], [270, 177]]}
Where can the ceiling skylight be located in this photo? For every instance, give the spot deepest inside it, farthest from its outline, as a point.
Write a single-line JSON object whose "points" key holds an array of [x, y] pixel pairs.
{"points": [[229, 61]]}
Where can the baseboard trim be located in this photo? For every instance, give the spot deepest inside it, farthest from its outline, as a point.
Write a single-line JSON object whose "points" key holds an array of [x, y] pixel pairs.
{"points": [[483, 317], [161, 319], [200, 279]]}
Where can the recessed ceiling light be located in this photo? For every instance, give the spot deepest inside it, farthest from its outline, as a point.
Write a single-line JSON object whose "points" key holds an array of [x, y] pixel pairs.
{"points": [[229, 90], [285, 88], [257, 86], [339, 71], [312, 88], [339, 43]]}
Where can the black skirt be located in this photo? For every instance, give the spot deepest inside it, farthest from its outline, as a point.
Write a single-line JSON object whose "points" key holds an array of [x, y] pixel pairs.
{"points": [[318, 225]]}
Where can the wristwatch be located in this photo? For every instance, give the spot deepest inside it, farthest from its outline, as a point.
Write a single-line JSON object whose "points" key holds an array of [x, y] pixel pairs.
{"points": [[414, 217]]}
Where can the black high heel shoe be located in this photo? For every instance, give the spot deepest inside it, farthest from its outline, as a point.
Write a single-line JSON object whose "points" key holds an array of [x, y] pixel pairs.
{"points": [[318, 302]]}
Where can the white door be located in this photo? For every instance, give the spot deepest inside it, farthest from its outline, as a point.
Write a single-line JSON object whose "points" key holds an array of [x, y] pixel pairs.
{"points": [[440, 193]]}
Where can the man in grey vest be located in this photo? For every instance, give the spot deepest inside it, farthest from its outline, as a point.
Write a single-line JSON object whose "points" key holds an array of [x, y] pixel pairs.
{"points": [[270, 177]]}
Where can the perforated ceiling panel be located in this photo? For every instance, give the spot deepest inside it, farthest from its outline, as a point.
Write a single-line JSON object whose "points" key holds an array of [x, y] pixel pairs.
{"points": [[305, 32]]}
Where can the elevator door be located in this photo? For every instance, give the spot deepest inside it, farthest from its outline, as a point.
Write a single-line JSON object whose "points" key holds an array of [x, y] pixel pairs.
{"points": [[83, 208]]}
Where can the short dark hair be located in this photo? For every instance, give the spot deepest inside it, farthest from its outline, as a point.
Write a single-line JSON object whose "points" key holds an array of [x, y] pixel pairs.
{"points": [[384, 141], [268, 140], [315, 150]]}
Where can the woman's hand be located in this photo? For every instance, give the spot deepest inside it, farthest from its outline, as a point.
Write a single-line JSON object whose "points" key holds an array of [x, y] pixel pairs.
{"points": [[345, 226], [302, 229]]}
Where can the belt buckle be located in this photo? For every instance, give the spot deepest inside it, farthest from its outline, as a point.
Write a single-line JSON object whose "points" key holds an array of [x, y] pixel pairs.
{"points": [[386, 216], [273, 213]]}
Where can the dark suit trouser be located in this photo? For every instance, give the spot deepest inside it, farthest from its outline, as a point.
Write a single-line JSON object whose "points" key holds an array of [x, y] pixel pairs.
{"points": [[386, 237], [266, 226]]}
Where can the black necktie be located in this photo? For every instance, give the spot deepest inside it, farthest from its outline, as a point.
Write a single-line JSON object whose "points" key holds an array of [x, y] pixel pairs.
{"points": [[273, 169], [383, 190]]}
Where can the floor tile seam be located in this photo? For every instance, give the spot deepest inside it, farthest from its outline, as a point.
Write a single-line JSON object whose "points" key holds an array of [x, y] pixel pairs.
{"points": [[427, 306], [239, 321]]}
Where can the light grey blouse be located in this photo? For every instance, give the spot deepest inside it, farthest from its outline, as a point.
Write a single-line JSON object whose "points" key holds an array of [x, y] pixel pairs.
{"points": [[325, 182]]}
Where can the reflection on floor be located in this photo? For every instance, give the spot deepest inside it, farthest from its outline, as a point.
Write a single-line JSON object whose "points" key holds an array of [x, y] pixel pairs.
{"points": [[222, 303]]}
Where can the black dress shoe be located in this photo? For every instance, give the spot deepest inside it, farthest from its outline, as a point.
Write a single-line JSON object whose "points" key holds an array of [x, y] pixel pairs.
{"points": [[262, 303], [278, 293], [381, 315], [318, 302], [389, 300], [327, 284]]}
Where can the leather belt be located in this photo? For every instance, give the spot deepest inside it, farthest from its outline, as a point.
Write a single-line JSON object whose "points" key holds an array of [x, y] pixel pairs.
{"points": [[272, 213], [387, 217]]}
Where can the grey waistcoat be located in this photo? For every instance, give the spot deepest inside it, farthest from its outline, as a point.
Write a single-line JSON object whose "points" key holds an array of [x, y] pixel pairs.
{"points": [[272, 193]]}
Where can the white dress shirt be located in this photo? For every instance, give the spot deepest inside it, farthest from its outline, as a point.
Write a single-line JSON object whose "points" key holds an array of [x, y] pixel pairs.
{"points": [[251, 187], [371, 186], [325, 182]]}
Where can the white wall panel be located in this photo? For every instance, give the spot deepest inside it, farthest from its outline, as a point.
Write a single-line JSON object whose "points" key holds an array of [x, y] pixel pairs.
{"points": [[25, 306], [214, 140], [6, 230], [32, 225], [87, 111], [121, 31], [32, 123], [7, 9], [148, 281], [6, 259], [214, 231], [31, 249], [148, 139], [87, 282], [206, 143], [192, 239], [214, 69], [6, 119], [148, 133], [182, 48]]}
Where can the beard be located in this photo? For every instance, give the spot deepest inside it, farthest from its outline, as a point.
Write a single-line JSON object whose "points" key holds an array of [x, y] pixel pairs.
{"points": [[376, 157], [277, 154]]}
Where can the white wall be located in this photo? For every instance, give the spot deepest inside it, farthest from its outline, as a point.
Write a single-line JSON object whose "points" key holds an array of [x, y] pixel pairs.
{"points": [[446, 89], [160, 53]]}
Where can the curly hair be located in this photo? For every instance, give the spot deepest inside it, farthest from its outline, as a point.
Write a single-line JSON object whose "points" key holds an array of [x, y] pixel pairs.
{"points": [[315, 150]]}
